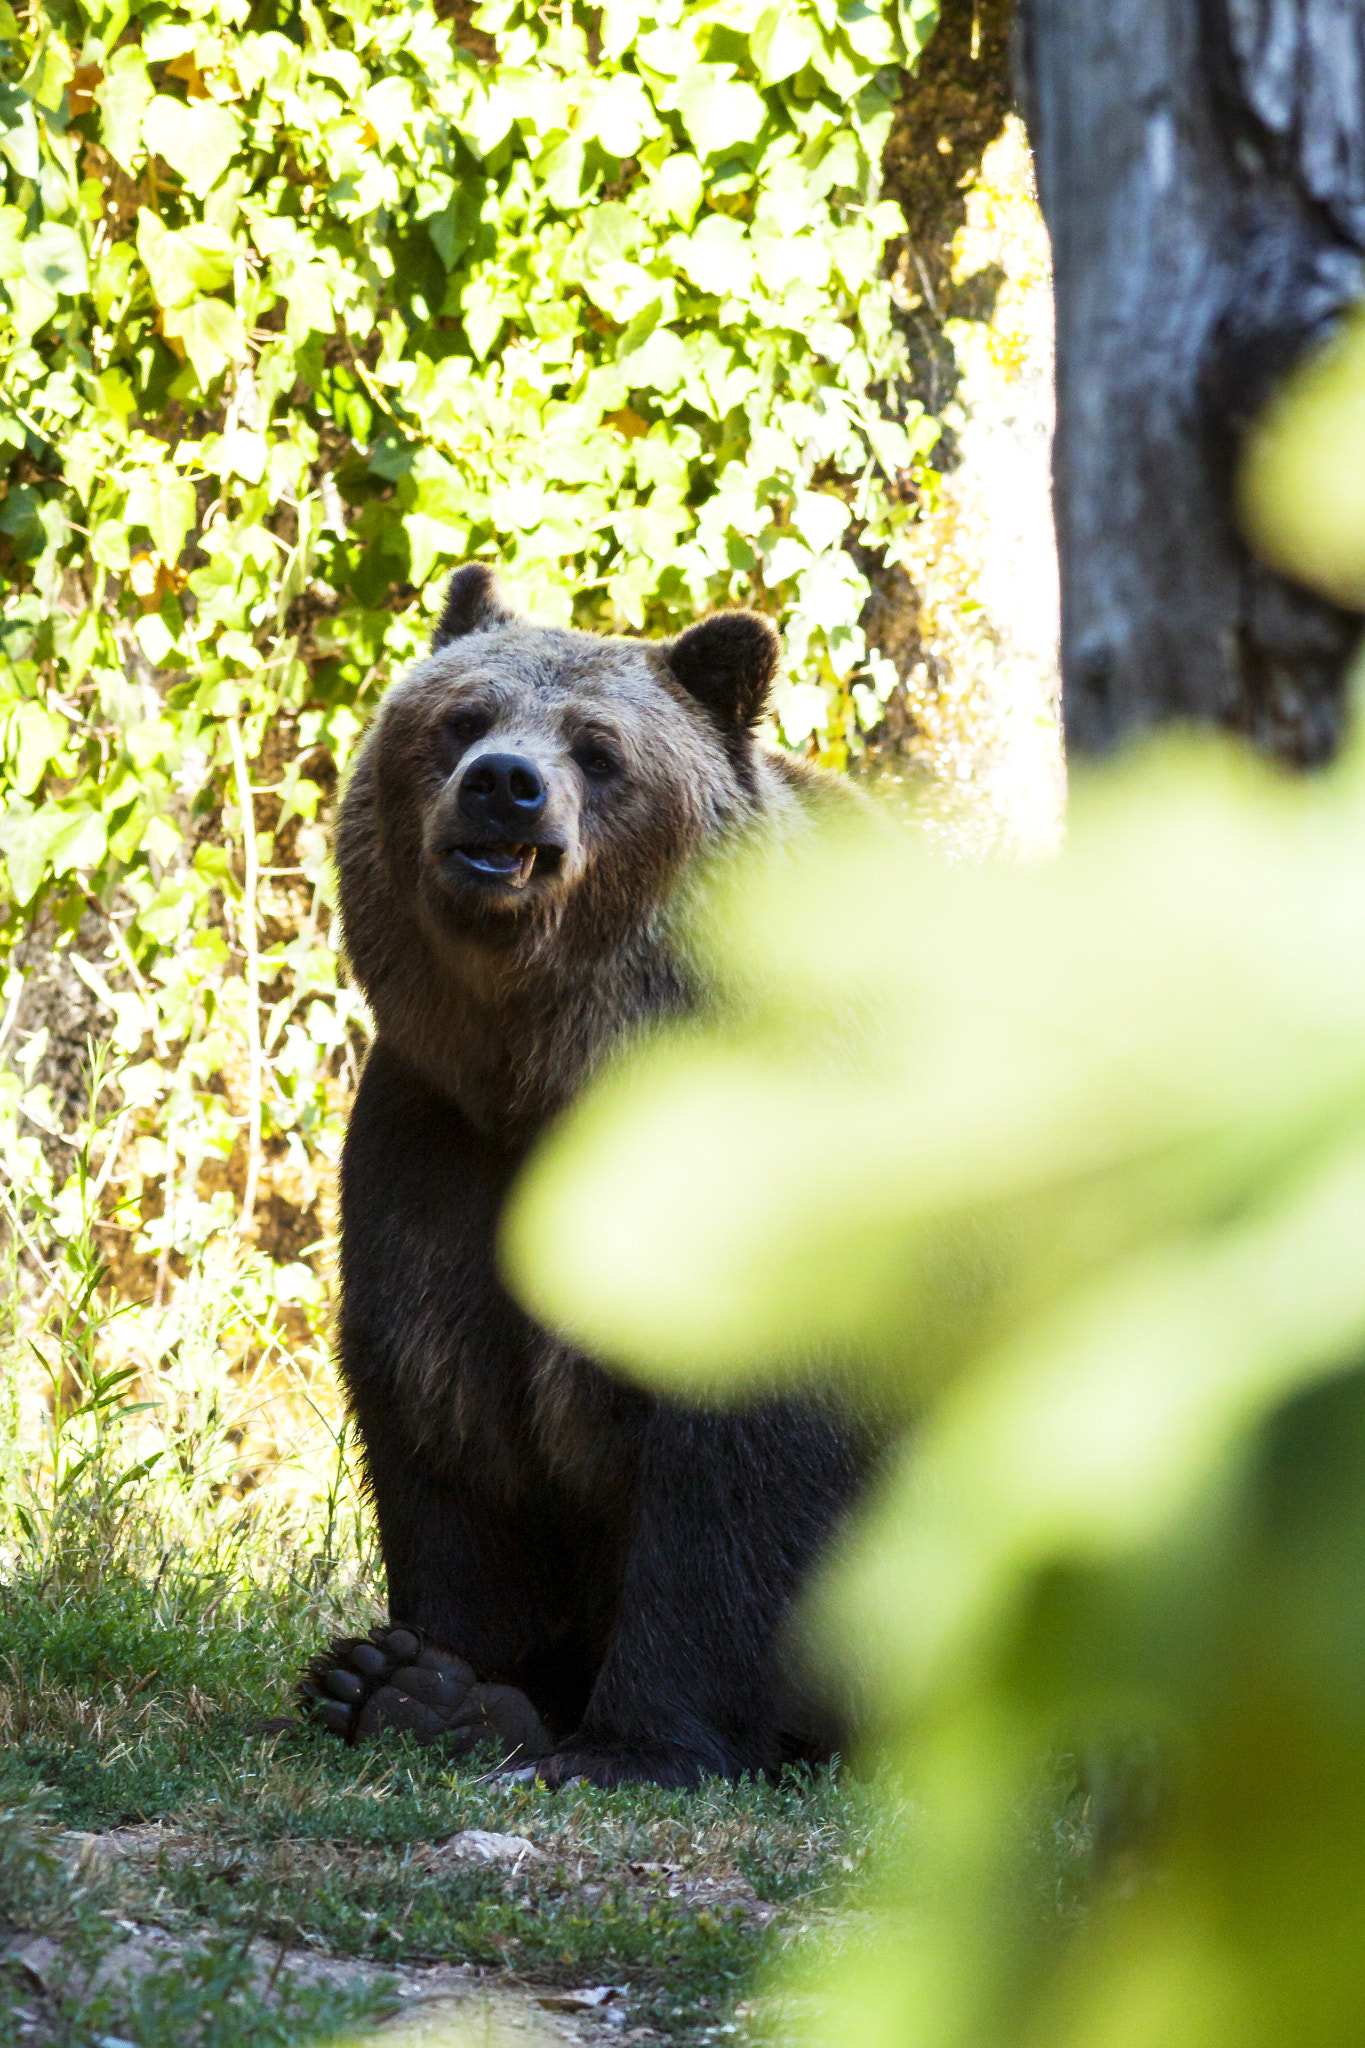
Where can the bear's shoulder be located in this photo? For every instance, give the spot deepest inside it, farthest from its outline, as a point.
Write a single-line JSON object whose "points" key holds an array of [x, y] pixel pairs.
{"points": [[795, 786]]}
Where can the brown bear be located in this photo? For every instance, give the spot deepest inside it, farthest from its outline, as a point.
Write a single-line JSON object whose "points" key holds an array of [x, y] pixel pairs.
{"points": [[596, 1578]]}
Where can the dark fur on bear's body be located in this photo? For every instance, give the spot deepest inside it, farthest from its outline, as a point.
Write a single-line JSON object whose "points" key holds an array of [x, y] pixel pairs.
{"points": [[629, 1562]]}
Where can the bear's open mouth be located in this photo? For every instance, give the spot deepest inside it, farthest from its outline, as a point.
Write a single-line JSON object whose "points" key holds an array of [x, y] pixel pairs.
{"points": [[510, 860]]}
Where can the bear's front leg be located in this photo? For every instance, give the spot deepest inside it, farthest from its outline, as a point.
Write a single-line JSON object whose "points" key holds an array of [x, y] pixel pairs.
{"points": [[467, 1607], [732, 1510]]}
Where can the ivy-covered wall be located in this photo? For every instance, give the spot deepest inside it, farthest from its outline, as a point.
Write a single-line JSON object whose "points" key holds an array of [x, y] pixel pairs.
{"points": [[299, 305]]}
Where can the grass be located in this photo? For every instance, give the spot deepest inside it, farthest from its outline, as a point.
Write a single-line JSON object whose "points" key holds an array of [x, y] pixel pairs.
{"points": [[126, 1704], [153, 1616], [162, 1581]]}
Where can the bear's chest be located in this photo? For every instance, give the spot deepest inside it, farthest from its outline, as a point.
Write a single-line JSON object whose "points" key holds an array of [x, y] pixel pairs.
{"points": [[428, 1329]]}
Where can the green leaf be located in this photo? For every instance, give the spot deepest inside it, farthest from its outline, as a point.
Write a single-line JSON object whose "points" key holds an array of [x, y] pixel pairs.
{"points": [[869, 32], [26, 835], [182, 263], [561, 174], [80, 843], [488, 119], [718, 111], [166, 505], [1302, 489], [41, 735], [11, 242], [667, 51], [308, 294], [21, 520], [658, 363], [389, 107], [431, 540], [483, 307], [19, 135], [718, 256], [54, 260], [197, 141], [154, 637], [613, 232], [918, 19], [620, 27], [109, 544], [116, 394], [820, 519], [245, 454], [46, 77], [677, 186], [124, 98], [620, 116], [213, 338], [782, 44]]}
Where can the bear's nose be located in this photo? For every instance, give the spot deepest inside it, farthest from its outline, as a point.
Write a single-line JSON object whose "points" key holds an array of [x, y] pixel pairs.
{"points": [[504, 790]]}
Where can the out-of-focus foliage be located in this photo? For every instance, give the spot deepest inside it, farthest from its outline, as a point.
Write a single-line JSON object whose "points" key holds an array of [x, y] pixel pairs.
{"points": [[1087, 1172], [301, 304], [1068, 1164], [1303, 480]]}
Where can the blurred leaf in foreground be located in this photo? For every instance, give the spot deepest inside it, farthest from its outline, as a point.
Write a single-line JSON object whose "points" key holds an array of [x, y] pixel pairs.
{"points": [[1303, 480], [1070, 1163]]}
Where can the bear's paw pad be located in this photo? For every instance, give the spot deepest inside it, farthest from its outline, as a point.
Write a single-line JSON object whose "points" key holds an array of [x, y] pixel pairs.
{"points": [[396, 1679]]}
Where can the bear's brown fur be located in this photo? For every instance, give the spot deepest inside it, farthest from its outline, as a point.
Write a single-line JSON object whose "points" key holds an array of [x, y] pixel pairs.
{"points": [[510, 853], [504, 1000]]}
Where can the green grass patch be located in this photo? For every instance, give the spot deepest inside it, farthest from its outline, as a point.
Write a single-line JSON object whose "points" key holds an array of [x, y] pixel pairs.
{"points": [[135, 1703]]}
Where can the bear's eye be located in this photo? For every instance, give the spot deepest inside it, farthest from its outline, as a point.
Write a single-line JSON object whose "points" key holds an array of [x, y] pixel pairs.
{"points": [[597, 760], [466, 726]]}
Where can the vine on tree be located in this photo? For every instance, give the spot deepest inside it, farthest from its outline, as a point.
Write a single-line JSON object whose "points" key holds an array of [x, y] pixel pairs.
{"points": [[300, 304]]}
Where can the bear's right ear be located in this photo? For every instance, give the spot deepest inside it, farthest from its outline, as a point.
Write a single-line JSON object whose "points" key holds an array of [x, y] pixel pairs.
{"points": [[474, 604]]}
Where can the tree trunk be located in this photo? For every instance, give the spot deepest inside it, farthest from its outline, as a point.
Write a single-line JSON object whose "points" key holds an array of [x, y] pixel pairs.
{"points": [[1201, 166]]}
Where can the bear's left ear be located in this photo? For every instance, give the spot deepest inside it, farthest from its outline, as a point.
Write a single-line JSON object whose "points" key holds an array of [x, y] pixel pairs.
{"points": [[728, 663], [474, 604]]}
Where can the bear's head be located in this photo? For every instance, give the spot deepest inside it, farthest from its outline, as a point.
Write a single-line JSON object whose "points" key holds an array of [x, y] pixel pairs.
{"points": [[521, 767], [528, 796]]}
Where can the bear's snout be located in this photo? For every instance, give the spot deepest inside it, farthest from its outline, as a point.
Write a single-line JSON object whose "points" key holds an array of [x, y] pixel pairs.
{"points": [[502, 793], [499, 825]]}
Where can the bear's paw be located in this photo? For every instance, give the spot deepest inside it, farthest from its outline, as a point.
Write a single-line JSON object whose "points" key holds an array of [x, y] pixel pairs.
{"points": [[666, 1764], [395, 1679]]}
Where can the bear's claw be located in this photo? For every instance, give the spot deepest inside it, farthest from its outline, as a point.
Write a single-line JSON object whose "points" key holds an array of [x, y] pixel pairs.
{"points": [[395, 1679], [657, 1764]]}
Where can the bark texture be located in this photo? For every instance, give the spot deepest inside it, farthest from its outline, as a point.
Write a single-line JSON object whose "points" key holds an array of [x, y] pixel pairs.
{"points": [[1201, 166]]}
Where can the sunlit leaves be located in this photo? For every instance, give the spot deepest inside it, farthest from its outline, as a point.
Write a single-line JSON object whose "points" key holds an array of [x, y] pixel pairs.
{"points": [[718, 111], [294, 314], [620, 116], [717, 256], [12, 260], [784, 41], [123, 98], [181, 265], [165, 505], [46, 77], [54, 260], [211, 334], [51, 838], [197, 141]]}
